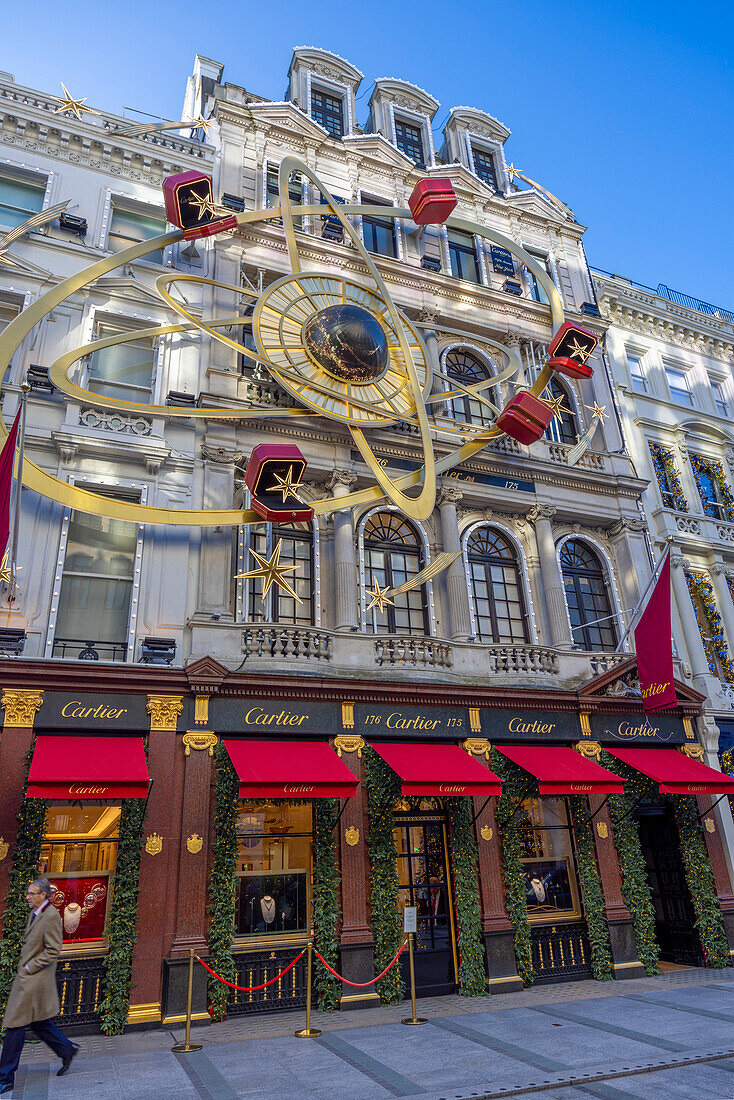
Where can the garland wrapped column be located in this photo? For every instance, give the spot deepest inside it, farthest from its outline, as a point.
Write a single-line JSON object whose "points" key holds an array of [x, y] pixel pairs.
{"points": [[700, 878], [472, 972], [514, 787], [326, 907], [221, 903], [591, 889], [383, 788]]}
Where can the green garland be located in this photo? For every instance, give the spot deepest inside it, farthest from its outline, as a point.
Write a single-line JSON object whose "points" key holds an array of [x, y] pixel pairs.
{"points": [[668, 478], [326, 901], [727, 764], [26, 854], [221, 903], [709, 620], [383, 788], [700, 878], [514, 787], [591, 889], [472, 972], [707, 467], [121, 928]]}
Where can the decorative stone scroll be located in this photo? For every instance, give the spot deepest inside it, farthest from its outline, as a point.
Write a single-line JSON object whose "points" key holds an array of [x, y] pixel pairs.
{"points": [[199, 740]]}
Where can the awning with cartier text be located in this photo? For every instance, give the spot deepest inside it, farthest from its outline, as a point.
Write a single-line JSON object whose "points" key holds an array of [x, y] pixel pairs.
{"points": [[675, 772], [290, 769], [562, 770], [444, 770], [88, 768]]}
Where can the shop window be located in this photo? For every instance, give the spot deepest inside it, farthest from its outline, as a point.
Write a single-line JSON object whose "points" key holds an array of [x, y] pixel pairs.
{"points": [[297, 548], [392, 555], [273, 884], [124, 370], [484, 166], [713, 488], [272, 193], [587, 598], [20, 198], [546, 857], [496, 588], [463, 256], [78, 856], [461, 366], [128, 227], [563, 428], [96, 588], [328, 111], [378, 233], [409, 140]]}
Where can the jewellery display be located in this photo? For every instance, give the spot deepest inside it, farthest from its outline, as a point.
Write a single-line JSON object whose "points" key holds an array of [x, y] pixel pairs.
{"points": [[72, 916], [267, 907], [81, 903]]}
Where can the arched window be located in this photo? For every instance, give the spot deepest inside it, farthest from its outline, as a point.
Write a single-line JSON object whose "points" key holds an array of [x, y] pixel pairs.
{"points": [[587, 598], [496, 587], [461, 366], [392, 555], [563, 428], [297, 548]]}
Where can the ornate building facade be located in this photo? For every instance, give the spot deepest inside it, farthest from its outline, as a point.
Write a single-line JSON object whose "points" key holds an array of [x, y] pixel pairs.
{"points": [[150, 632]]}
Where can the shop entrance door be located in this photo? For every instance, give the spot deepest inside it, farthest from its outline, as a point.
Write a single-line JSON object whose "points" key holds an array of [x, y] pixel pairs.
{"points": [[424, 880], [674, 913]]}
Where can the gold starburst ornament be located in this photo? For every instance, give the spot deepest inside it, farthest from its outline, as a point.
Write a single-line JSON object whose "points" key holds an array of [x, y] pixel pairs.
{"points": [[287, 486], [380, 599], [272, 572]]}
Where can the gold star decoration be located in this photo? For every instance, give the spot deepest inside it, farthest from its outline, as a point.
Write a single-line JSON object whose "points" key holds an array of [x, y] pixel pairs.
{"points": [[6, 572], [201, 123], [379, 597], [74, 106], [579, 351], [556, 403], [205, 205], [511, 172], [287, 486], [272, 572], [598, 411]]}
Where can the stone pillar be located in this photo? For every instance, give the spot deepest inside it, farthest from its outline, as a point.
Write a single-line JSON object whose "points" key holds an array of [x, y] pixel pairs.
{"points": [[497, 929], [687, 614], [455, 576], [715, 848], [429, 316], [215, 567], [625, 962], [632, 562], [555, 597], [20, 707], [355, 941], [346, 586], [724, 601]]}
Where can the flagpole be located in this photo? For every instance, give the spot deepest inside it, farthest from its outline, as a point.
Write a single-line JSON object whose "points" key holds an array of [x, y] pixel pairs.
{"points": [[24, 391], [641, 600]]}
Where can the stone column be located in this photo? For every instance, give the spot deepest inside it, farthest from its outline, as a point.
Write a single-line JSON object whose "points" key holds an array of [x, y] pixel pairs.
{"points": [[632, 561], [20, 706], [429, 316], [497, 929], [346, 586], [215, 567], [621, 933], [555, 597], [455, 576], [724, 601], [687, 615]]}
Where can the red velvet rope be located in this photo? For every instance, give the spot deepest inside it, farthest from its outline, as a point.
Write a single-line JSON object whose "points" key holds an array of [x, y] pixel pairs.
{"points": [[251, 988], [361, 985]]}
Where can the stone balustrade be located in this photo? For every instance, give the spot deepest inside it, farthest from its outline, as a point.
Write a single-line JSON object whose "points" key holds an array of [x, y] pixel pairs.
{"points": [[521, 659], [399, 649]]}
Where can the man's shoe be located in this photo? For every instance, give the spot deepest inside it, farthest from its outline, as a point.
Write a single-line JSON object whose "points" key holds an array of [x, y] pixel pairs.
{"points": [[66, 1060]]}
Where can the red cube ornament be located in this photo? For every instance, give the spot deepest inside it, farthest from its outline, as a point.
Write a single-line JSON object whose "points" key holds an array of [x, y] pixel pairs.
{"points": [[525, 417], [570, 367], [190, 206], [569, 350], [432, 201], [273, 477]]}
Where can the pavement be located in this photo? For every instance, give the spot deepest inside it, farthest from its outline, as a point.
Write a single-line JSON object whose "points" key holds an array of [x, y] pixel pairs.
{"points": [[669, 1037]]}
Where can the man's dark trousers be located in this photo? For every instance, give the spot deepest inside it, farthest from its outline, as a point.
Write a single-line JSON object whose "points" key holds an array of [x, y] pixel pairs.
{"points": [[46, 1030]]}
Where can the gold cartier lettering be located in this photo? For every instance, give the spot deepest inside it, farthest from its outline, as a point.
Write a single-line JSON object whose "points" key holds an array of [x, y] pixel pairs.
{"points": [[448, 788], [518, 726], [655, 689], [581, 786], [296, 788], [76, 709], [625, 730], [395, 721], [95, 791], [256, 716]]}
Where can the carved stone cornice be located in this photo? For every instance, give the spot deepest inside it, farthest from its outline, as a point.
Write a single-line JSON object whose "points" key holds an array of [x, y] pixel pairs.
{"points": [[633, 524], [20, 705], [164, 711], [645, 312], [220, 456]]}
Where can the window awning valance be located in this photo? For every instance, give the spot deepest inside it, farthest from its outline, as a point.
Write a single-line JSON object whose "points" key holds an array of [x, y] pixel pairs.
{"points": [[290, 769], [444, 770], [86, 768], [675, 772], [562, 770]]}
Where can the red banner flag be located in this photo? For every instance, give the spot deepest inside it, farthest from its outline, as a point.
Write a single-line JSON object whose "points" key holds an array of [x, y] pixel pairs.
{"points": [[7, 459], [654, 647]]}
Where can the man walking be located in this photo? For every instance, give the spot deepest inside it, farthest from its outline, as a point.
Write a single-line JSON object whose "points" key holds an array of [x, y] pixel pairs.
{"points": [[34, 998]]}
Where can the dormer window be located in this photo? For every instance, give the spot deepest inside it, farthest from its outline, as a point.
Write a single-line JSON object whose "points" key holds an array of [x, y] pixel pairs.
{"points": [[484, 166], [409, 140], [328, 111]]}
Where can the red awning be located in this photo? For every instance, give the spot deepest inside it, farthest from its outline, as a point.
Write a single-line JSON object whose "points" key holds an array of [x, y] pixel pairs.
{"points": [[290, 769], [438, 769], [88, 768], [675, 772], [562, 770]]}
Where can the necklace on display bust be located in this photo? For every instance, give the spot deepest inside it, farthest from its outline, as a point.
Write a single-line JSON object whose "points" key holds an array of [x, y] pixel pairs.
{"points": [[72, 916], [267, 906]]}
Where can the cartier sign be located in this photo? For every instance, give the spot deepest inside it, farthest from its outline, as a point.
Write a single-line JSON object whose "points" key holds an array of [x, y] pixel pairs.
{"points": [[273, 718], [530, 725], [396, 722], [638, 729], [82, 710]]}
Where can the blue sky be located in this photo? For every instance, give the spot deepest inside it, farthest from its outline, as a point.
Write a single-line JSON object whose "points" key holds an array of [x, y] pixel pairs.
{"points": [[623, 110]]}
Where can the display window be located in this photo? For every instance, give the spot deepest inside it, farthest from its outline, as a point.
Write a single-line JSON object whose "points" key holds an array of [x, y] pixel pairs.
{"points": [[547, 860], [274, 849], [78, 856]]}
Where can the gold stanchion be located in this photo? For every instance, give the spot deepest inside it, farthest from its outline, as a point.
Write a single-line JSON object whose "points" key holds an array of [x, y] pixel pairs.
{"points": [[308, 1032], [185, 1047], [414, 1019]]}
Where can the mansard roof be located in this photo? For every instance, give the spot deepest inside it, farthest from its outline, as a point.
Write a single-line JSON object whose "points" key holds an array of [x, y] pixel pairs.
{"points": [[405, 94], [328, 64], [478, 122]]}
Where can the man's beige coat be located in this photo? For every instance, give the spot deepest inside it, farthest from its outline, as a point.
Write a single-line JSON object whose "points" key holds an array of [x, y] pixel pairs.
{"points": [[34, 996]]}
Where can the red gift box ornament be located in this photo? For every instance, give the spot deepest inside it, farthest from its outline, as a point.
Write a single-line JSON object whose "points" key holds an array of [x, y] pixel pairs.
{"points": [[432, 201], [569, 350], [190, 206], [525, 417], [273, 476]]}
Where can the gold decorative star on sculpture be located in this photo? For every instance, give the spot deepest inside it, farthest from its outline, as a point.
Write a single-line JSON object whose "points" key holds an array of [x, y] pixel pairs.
{"points": [[75, 106], [201, 123], [556, 403], [379, 597], [272, 572], [205, 205], [511, 172], [580, 351], [287, 486], [6, 572], [598, 411]]}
